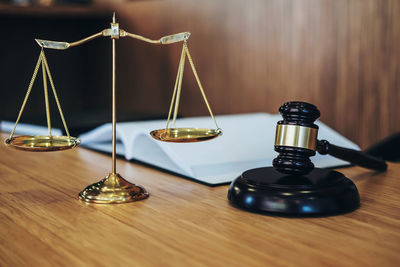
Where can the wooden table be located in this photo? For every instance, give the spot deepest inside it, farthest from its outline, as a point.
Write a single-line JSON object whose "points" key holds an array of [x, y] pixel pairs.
{"points": [[183, 223]]}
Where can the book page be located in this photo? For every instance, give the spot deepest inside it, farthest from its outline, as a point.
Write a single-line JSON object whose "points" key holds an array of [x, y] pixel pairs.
{"points": [[28, 129], [247, 142]]}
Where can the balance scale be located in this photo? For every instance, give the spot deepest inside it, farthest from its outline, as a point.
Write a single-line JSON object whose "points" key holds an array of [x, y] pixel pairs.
{"points": [[113, 188]]}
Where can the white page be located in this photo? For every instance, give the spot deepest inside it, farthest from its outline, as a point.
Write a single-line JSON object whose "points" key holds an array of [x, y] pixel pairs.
{"points": [[247, 142], [28, 129]]}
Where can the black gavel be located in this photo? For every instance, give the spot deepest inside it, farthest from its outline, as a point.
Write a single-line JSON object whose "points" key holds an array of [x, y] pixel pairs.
{"points": [[296, 141], [293, 187]]}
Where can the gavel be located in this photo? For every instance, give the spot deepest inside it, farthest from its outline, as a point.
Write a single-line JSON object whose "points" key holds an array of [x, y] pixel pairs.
{"points": [[293, 186], [296, 141]]}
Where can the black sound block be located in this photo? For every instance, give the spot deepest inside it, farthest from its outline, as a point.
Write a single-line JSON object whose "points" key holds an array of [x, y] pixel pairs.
{"points": [[319, 193]]}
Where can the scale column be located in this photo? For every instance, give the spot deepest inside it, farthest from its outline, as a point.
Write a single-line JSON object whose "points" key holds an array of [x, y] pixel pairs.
{"points": [[114, 35], [114, 113], [113, 188]]}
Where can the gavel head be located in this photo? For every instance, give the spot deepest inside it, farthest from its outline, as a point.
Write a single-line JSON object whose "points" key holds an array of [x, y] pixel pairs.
{"points": [[296, 138]]}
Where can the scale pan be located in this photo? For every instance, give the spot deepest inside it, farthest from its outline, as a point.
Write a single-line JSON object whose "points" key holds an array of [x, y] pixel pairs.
{"points": [[38, 143], [185, 135]]}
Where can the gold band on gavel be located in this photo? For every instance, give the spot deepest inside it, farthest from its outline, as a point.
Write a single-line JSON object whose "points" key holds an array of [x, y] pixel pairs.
{"points": [[296, 136]]}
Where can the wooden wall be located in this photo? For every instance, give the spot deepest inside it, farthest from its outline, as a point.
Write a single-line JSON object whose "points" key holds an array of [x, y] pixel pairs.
{"points": [[341, 55]]}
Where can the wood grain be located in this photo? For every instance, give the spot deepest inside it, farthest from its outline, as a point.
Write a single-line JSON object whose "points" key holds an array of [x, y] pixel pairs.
{"points": [[252, 56], [42, 222]]}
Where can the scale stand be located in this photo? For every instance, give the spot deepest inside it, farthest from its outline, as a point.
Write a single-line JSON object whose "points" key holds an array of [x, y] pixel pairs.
{"points": [[113, 188]]}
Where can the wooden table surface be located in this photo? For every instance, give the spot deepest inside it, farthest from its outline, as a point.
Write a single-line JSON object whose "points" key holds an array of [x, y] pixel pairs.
{"points": [[183, 223]]}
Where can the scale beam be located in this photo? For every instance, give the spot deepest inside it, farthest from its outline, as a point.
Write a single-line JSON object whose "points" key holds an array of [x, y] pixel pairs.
{"points": [[169, 39]]}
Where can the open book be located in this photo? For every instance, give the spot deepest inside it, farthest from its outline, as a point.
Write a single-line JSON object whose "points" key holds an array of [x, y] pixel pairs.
{"points": [[247, 142]]}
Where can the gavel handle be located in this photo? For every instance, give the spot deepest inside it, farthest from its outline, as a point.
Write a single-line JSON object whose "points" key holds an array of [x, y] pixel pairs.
{"points": [[353, 156]]}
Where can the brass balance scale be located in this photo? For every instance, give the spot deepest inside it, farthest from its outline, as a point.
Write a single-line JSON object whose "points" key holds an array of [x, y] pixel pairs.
{"points": [[113, 188]]}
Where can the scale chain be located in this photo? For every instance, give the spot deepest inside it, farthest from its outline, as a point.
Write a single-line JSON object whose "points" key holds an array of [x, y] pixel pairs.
{"points": [[55, 95], [178, 84], [46, 94], [27, 94], [178, 96], [198, 82], [175, 87]]}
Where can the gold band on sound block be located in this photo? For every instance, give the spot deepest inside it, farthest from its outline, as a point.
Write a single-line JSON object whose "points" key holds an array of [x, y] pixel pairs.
{"points": [[296, 136]]}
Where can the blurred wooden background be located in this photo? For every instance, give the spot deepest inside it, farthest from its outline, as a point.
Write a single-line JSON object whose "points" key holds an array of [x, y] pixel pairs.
{"points": [[251, 56], [343, 56]]}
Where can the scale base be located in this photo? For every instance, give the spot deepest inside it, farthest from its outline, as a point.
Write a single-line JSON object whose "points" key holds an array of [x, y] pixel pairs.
{"points": [[322, 192], [113, 189]]}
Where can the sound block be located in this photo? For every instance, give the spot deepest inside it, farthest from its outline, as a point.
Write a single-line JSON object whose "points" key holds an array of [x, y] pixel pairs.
{"points": [[321, 192]]}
